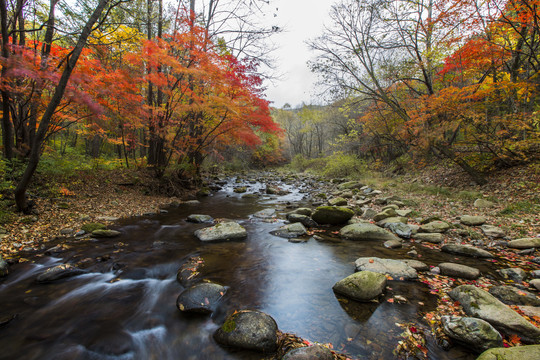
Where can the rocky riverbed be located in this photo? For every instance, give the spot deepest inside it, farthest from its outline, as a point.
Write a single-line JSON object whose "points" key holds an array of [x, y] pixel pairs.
{"points": [[407, 280]]}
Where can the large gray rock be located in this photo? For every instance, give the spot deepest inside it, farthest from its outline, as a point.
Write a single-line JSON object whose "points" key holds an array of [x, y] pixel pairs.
{"points": [[59, 272], [404, 212], [435, 238], [481, 304], [303, 219], [249, 329], [472, 220], [366, 231], [477, 334], [229, 230], [493, 231], [458, 270], [201, 298], [361, 286], [4, 267], [333, 215], [396, 269], [435, 227], [389, 212], [290, 231], [514, 296], [199, 218], [315, 352], [524, 243], [535, 284], [466, 250], [529, 352]]}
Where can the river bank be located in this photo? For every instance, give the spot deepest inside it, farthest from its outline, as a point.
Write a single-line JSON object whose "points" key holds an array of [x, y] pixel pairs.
{"points": [[410, 203]]}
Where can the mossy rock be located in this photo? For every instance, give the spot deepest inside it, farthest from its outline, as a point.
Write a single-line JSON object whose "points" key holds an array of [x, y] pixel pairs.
{"points": [[91, 227], [333, 215]]}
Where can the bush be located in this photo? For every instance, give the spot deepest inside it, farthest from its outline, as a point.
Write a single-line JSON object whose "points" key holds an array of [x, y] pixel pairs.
{"points": [[340, 165]]}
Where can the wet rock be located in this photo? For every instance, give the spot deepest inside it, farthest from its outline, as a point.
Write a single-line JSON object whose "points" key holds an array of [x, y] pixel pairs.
{"points": [[199, 218], [303, 219], [224, 231], [107, 218], [290, 231], [525, 243], [389, 212], [248, 329], [435, 227], [265, 214], [6, 319], [90, 227], [240, 190], [528, 352], [472, 220], [514, 296], [400, 229], [302, 211], [202, 298], [514, 274], [477, 334], [105, 233], [412, 253], [535, 274], [274, 190], [493, 231], [393, 244], [481, 304], [339, 201], [297, 240], [4, 267], [481, 203], [361, 286], [434, 238], [417, 265], [314, 352], [397, 269], [192, 202], [250, 196], [458, 270], [466, 250], [333, 215], [366, 231], [59, 272]]}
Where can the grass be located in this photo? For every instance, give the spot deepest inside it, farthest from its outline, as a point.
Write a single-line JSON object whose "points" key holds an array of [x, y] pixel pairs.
{"points": [[522, 207]]}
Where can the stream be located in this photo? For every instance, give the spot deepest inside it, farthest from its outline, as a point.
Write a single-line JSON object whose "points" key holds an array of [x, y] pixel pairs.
{"points": [[124, 306]]}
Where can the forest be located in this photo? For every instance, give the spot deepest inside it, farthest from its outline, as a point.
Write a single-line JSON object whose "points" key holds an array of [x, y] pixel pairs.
{"points": [[142, 157]]}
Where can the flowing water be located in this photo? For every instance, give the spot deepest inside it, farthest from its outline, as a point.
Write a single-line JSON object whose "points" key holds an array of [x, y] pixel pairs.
{"points": [[124, 307]]}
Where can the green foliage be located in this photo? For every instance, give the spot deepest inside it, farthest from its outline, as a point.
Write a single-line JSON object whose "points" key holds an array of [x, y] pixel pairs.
{"points": [[338, 165]]}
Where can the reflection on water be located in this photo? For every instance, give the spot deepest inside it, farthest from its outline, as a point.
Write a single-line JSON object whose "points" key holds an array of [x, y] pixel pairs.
{"points": [[124, 307]]}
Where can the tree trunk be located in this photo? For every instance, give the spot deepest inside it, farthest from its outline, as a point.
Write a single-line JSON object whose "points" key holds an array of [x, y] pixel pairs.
{"points": [[473, 173], [7, 130], [22, 186]]}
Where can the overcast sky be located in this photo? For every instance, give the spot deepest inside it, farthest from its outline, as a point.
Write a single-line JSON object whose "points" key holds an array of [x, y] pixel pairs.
{"points": [[302, 20]]}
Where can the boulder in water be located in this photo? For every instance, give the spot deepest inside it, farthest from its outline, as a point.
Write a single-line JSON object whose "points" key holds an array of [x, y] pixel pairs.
{"points": [[290, 231], [59, 272], [477, 334], [528, 352], [201, 298], [366, 231], [396, 269], [361, 286], [224, 231], [199, 218], [333, 215], [314, 352], [249, 329]]}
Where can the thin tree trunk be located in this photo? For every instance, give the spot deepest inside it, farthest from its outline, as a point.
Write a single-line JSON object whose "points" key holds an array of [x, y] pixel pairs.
{"points": [[7, 129]]}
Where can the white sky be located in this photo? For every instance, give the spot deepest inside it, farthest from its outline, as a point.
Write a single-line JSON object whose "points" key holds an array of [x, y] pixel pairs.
{"points": [[302, 20]]}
